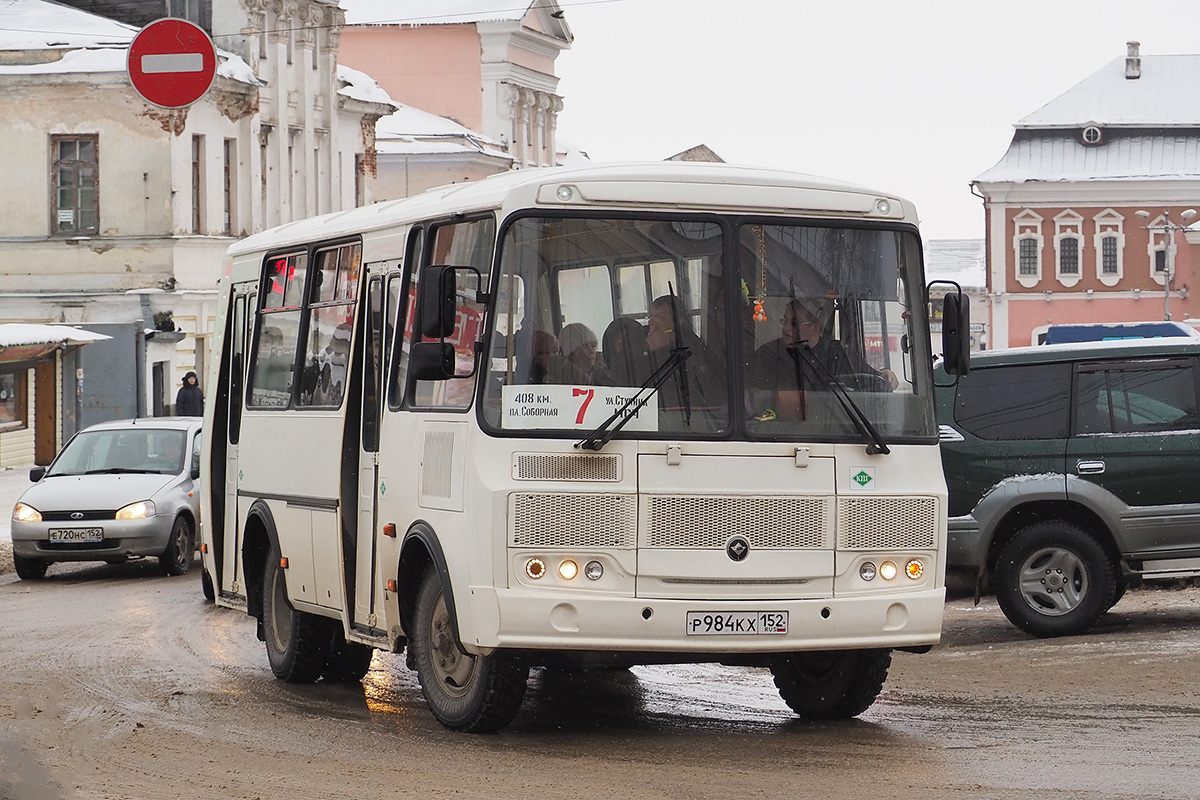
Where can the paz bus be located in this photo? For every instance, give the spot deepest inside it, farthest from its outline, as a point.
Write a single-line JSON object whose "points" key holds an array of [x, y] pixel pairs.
{"points": [[583, 418]]}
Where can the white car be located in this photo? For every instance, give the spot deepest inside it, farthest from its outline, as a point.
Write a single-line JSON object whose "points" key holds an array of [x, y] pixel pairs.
{"points": [[118, 490]]}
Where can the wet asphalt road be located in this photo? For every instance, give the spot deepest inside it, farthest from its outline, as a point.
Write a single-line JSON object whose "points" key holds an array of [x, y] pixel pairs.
{"points": [[118, 683]]}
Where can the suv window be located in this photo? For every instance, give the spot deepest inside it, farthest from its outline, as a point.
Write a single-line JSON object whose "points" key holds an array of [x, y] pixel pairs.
{"points": [[1015, 402], [1132, 399]]}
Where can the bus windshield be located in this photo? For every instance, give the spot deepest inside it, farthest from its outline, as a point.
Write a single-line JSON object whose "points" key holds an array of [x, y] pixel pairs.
{"points": [[730, 327]]}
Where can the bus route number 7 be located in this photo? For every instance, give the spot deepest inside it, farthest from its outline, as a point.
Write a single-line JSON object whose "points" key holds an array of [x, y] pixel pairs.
{"points": [[587, 395]]}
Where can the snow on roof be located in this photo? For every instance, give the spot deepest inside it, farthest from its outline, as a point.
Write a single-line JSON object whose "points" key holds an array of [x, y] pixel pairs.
{"points": [[39, 25], [963, 261], [433, 12], [1060, 156], [361, 86], [89, 43], [14, 334], [1166, 95], [411, 131]]}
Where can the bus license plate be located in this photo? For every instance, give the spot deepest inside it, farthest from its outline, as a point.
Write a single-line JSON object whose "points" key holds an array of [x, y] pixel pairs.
{"points": [[753, 623], [76, 534]]}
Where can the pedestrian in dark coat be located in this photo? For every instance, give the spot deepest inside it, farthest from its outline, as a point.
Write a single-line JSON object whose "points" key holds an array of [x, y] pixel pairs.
{"points": [[189, 402]]}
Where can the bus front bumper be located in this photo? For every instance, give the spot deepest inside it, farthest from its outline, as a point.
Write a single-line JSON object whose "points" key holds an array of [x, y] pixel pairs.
{"points": [[520, 620]]}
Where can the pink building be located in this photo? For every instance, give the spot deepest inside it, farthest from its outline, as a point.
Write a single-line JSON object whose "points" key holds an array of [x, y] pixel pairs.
{"points": [[487, 73], [1086, 212]]}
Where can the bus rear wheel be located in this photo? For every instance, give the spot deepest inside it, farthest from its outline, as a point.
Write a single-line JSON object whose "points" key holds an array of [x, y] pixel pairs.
{"points": [[298, 643], [831, 684], [475, 694]]}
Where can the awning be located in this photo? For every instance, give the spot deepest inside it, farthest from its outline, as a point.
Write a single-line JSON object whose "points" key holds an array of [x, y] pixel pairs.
{"points": [[25, 341]]}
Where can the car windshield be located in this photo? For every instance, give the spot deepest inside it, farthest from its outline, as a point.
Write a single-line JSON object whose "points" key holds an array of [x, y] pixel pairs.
{"points": [[148, 450]]}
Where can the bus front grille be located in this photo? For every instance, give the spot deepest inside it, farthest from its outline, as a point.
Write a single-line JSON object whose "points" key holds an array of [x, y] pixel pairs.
{"points": [[784, 523], [572, 520], [887, 523], [556, 467]]}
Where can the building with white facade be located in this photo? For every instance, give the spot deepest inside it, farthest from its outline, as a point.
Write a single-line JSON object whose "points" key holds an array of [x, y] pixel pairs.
{"points": [[125, 209]]}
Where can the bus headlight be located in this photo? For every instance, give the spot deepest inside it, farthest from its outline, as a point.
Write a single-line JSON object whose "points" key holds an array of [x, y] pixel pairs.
{"points": [[593, 570], [867, 571], [914, 568], [568, 569], [535, 568], [888, 570]]}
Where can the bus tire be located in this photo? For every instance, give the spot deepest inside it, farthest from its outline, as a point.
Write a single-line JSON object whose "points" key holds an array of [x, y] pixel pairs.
{"points": [[831, 684], [474, 694], [177, 558], [298, 643], [349, 662]]}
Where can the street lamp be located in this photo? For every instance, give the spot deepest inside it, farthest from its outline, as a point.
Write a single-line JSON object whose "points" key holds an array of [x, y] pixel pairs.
{"points": [[1168, 229]]}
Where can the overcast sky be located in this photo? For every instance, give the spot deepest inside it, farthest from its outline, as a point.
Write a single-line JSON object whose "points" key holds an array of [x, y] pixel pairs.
{"points": [[913, 97]]}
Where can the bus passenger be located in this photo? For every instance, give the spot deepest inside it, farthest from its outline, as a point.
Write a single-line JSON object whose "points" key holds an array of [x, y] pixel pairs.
{"points": [[670, 327], [625, 352], [578, 345]]}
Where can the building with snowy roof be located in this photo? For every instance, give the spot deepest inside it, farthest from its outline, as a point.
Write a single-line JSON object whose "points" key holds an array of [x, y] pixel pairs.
{"points": [[117, 213], [1087, 212]]}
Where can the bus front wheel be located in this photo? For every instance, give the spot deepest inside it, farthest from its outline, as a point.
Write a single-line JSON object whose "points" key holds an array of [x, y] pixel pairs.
{"points": [[833, 684], [475, 694], [298, 644]]}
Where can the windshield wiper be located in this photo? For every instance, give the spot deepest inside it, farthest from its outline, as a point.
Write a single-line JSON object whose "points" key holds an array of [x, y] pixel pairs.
{"points": [[875, 442], [606, 430], [119, 471]]}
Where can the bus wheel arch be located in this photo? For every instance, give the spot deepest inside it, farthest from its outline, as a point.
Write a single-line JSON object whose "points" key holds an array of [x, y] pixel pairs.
{"points": [[258, 539], [420, 553]]}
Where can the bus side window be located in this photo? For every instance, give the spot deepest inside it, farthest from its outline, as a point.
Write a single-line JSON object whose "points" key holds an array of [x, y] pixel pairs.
{"points": [[469, 244], [402, 295]]}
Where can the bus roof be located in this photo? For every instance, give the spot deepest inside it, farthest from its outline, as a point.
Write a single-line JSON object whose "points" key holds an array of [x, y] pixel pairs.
{"points": [[668, 184]]}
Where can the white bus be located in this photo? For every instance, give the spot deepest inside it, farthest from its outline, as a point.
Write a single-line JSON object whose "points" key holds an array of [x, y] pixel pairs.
{"points": [[577, 418]]}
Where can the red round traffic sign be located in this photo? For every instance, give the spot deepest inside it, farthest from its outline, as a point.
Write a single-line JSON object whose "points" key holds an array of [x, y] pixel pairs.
{"points": [[172, 62]]}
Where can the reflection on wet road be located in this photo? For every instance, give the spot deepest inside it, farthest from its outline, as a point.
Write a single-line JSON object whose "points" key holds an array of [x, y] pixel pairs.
{"points": [[118, 682]]}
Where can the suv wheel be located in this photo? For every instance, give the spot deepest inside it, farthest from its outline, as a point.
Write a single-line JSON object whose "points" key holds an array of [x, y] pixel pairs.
{"points": [[1054, 579]]}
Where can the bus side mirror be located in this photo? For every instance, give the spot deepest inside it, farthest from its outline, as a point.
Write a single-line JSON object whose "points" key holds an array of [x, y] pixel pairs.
{"points": [[431, 361], [956, 333], [437, 302]]}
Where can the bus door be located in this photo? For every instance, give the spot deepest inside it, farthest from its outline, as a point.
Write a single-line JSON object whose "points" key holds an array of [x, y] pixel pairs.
{"points": [[374, 343], [229, 545]]}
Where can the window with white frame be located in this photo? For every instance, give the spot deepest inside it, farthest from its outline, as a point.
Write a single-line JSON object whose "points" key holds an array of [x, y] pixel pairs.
{"points": [[1158, 248], [1068, 235], [1109, 245], [75, 177], [1027, 248]]}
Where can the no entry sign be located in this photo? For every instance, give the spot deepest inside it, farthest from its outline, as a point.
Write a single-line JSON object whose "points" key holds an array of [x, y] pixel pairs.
{"points": [[172, 62]]}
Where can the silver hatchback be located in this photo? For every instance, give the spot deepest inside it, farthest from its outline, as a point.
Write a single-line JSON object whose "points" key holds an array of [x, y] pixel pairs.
{"points": [[118, 490]]}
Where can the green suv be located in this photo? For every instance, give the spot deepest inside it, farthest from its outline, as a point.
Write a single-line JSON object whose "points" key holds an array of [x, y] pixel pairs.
{"points": [[1074, 471]]}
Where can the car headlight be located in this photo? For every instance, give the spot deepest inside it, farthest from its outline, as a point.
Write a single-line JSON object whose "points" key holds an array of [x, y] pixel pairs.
{"points": [[139, 510], [24, 513]]}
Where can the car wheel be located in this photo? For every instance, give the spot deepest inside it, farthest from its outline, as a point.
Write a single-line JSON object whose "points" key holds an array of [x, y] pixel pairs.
{"points": [[30, 569], [206, 586], [831, 684], [348, 662], [298, 643], [476, 694], [1054, 579], [177, 558]]}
